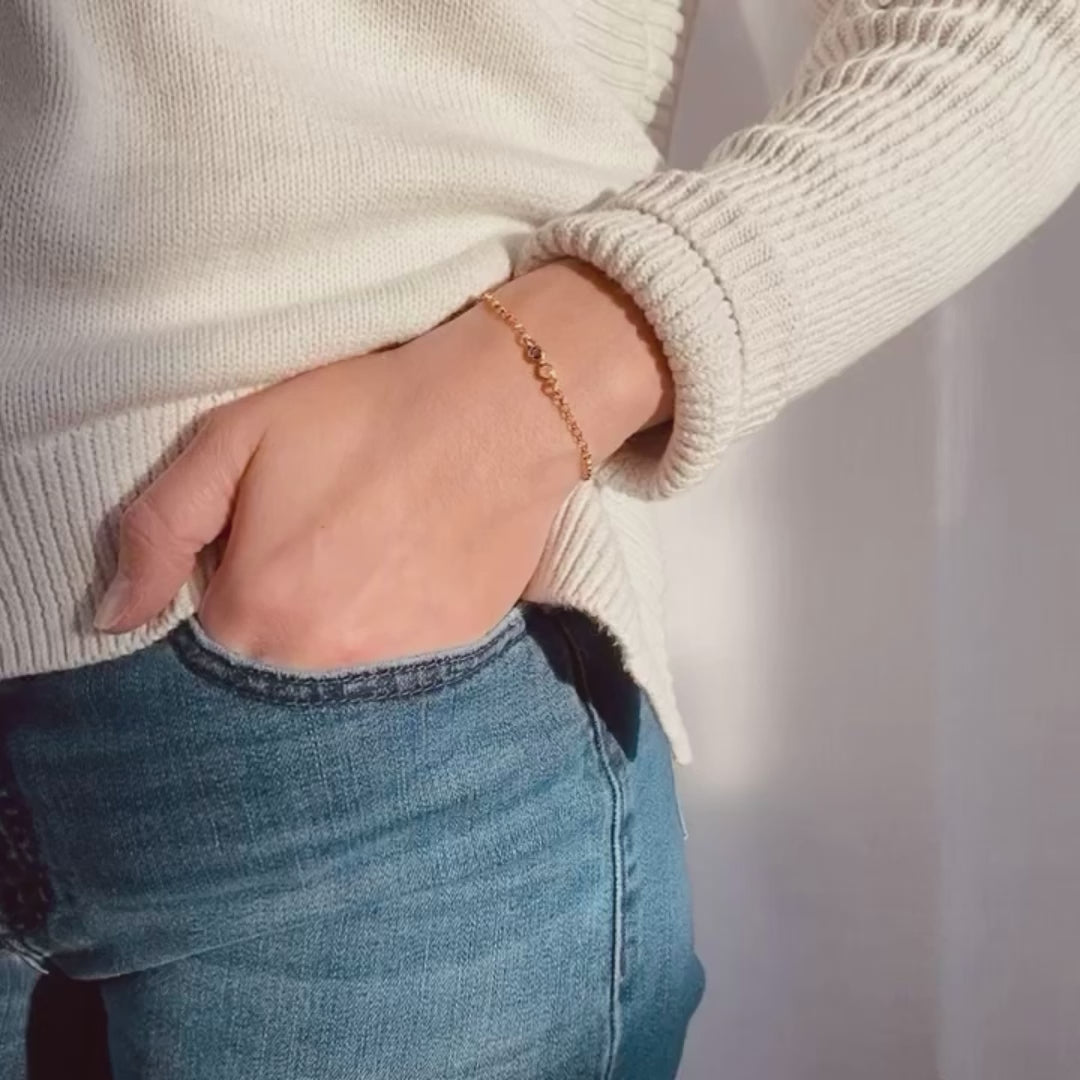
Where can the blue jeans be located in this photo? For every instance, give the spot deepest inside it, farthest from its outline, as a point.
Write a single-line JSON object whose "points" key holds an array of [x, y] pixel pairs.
{"points": [[460, 865]]}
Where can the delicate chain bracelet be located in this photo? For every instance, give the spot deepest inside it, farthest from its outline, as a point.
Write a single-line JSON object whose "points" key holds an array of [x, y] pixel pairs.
{"points": [[546, 374]]}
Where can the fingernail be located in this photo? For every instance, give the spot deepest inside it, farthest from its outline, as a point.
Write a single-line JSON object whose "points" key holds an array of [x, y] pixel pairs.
{"points": [[112, 604]]}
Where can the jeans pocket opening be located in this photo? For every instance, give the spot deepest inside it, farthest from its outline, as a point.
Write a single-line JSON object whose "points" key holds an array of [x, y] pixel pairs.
{"points": [[607, 690], [398, 677]]}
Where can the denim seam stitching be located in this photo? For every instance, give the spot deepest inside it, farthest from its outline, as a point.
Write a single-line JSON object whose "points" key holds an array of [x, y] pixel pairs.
{"points": [[315, 690], [618, 884]]}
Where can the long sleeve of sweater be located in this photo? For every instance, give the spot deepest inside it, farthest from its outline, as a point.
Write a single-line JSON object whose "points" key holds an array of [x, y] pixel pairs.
{"points": [[918, 141]]}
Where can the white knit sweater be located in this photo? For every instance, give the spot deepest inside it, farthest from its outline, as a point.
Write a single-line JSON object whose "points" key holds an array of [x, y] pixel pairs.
{"points": [[200, 197]]}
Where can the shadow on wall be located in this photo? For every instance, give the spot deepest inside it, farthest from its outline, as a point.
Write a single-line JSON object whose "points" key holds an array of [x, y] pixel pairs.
{"points": [[801, 617], [873, 609]]}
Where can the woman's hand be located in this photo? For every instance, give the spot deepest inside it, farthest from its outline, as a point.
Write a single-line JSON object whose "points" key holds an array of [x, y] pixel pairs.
{"points": [[394, 502]]}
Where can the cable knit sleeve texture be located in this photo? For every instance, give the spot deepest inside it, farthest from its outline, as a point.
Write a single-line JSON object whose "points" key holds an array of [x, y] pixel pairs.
{"points": [[919, 141]]}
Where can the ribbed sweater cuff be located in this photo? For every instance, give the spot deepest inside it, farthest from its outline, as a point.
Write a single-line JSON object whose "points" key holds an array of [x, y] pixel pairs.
{"points": [[720, 317]]}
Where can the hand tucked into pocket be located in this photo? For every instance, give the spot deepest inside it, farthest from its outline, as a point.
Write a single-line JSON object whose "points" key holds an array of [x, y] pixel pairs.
{"points": [[398, 501]]}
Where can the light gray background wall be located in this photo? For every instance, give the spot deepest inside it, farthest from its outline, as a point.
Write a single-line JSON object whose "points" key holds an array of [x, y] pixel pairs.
{"points": [[875, 621]]}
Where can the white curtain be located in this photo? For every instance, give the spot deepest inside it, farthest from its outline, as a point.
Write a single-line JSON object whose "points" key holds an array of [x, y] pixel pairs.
{"points": [[874, 615]]}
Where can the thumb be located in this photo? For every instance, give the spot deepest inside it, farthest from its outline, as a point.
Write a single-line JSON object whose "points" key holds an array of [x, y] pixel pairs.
{"points": [[185, 508]]}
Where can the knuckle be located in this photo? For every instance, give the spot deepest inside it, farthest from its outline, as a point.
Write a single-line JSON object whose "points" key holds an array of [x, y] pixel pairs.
{"points": [[226, 432], [217, 426], [142, 522], [212, 420]]}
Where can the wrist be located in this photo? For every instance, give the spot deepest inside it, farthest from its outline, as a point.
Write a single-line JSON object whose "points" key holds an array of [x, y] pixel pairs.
{"points": [[609, 362], [609, 365]]}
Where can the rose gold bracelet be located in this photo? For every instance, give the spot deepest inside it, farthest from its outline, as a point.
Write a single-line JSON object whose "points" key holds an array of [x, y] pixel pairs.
{"points": [[546, 374]]}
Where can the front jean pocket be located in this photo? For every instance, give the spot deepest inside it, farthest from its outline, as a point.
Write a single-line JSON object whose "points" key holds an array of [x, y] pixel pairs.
{"points": [[415, 673]]}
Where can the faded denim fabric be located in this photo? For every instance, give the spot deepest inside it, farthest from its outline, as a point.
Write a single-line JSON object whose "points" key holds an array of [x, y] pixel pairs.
{"points": [[460, 865]]}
